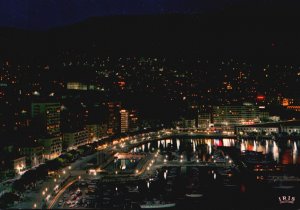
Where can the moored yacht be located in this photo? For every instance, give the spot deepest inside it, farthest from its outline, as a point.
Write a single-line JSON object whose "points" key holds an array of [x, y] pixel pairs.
{"points": [[157, 204]]}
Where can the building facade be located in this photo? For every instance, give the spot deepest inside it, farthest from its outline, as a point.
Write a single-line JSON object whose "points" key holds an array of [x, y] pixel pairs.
{"points": [[204, 120], [48, 115], [72, 140], [96, 131], [34, 155], [288, 127], [113, 117], [133, 120], [124, 120], [226, 117], [52, 146]]}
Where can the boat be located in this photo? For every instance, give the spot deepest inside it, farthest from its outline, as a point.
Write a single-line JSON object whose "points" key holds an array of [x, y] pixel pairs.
{"points": [[157, 205], [194, 195]]}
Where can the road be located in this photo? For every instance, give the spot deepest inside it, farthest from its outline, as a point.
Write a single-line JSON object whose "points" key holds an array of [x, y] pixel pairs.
{"points": [[55, 199], [36, 196]]}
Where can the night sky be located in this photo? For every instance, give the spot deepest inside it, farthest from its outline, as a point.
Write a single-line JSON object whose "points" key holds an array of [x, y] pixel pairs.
{"points": [[43, 14]]}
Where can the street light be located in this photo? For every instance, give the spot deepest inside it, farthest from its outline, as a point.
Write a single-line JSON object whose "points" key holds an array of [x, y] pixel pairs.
{"points": [[69, 167], [34, 205]]}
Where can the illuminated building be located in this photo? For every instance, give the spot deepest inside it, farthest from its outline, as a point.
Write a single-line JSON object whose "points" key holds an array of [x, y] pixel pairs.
{"points": [[264, 115], [266, 129], [19, 164], [226, 117], [189, 123], [72, 140], [11, 163], [113, 117], [76, 86], [80, 86], [204, 120], [96, 131], [287, 101], [48, 115], [288, 127], [294, 108], [52, 146], [33, 153], [293, 127], [133, 120], [124, 120]]}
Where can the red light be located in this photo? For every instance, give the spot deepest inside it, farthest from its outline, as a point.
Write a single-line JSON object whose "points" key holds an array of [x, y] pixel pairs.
{"points": [[260, 97]]}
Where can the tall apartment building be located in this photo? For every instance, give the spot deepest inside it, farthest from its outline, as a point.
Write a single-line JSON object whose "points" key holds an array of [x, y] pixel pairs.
{"points": [[48, 117], [124, 120], [113, 117], [133, 120]]}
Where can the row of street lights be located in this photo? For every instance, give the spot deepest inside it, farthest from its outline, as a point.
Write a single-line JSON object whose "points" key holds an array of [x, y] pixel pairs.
{"points": [[56, 187], [153, 161]]}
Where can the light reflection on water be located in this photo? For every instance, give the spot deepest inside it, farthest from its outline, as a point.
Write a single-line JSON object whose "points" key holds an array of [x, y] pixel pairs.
{"points": [[284, 152]]}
